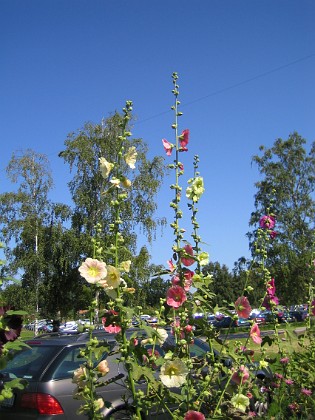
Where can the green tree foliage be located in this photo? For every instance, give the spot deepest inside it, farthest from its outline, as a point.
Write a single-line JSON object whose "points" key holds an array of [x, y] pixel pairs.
{"points": [[225, 286], [82, 153], [287, 190]]}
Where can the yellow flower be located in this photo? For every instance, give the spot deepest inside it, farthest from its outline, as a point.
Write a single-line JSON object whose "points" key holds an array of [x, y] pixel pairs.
{"points": [[99, 403], [173, 373], [203, 258], [125, 266], [79, 375], [196, 188], [130, 157], [105, 167], [263, 364], [93, 270], [240, 401]]}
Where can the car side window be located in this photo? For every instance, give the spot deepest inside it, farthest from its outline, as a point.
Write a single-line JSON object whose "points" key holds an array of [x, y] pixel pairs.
{"points": [[68, 364]]}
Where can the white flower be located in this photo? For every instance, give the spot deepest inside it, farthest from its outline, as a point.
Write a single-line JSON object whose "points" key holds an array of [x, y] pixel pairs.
{"points": [[115, 182], [161, 335], [173, 373], [130, 157], [105, 167], [93, 270]]}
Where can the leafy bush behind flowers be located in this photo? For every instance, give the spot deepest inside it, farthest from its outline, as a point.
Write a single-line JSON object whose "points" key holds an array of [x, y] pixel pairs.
{"points": [[198, 389]]}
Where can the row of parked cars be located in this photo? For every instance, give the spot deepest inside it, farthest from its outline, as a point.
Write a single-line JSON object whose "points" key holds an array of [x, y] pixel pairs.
{"points": [[220, 320]]}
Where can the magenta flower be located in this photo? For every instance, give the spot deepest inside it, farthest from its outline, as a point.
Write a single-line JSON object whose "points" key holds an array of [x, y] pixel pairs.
{"points": [[188, 249], [184, 139], [267, 222], [255, 334], [271, 287], [313, 307], [270, 301], [284, 360], [168, 147], [175, 280], [175, 296], [306, 391], [243, 307], [241, 375], [273, 234], [194, 415]]}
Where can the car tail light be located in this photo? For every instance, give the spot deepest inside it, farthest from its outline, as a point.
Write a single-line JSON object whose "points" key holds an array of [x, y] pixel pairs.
{"points": [[43, 403]]}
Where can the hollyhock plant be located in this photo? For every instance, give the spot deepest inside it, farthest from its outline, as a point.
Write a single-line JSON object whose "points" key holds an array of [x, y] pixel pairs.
{"points": [[242, 307], [168, 147], [313, 307], [194, 415], [174, 373], [267, 222], [175, 296], [93, 270], [188, 249], [255, 334]]}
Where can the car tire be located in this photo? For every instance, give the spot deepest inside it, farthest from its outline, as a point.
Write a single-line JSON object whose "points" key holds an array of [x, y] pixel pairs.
{"points": [[123, 413]]}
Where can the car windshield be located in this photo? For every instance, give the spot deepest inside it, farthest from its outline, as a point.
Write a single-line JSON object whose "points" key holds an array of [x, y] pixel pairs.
{"points": [[29, 363]]}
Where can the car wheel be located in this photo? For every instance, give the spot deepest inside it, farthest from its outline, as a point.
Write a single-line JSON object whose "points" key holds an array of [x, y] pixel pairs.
{"points": [[124, 413]]}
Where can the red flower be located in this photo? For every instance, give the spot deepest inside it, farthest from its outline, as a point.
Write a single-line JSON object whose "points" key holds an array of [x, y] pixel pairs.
{"points": [[184, 139], [313, 307], [194, 415], [243, 307], [273, 234], [188, 275], [188, 249], [175, 296], [168, 147], [267, 222], [255, 334]]}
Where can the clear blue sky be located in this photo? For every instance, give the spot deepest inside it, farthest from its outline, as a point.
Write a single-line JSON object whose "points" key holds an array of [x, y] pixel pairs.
{"points": [[246, 72]]}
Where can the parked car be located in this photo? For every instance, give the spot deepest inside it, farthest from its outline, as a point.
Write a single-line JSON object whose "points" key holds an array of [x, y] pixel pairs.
{"points": [[223, 322], [299, 315], [48, 366], [243, 322]]}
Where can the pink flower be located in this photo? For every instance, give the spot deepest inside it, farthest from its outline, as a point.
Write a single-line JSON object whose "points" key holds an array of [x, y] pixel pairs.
{"points": [[270, 301], [175, 296], [307, 392], [168, 147], [271, 287], [267, 222], [255, 334], [188, 275], [188, 249], [110, 321], [278, 375], [289, 381], [313, 307], [284, 360], [175, 280], [240, 376], [194, 415], [243, 307], [184, 139], [171, 265]]}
